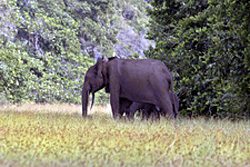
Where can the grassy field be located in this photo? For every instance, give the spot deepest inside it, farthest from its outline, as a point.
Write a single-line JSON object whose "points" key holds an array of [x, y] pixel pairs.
{"points": [[56, 135]]}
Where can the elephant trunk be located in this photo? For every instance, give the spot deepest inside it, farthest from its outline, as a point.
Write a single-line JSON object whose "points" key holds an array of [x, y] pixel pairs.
{"points": [[85, 99]]}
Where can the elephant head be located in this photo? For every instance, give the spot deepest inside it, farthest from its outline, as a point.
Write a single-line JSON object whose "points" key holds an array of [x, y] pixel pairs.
{"points": [[95, 79]]}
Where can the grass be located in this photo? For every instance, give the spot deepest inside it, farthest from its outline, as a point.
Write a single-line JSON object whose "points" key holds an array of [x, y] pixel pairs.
{"points": [[56, 135]]}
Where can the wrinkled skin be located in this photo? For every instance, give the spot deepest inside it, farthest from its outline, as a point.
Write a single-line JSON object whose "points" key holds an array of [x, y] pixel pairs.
{"points": [[143, 81], [148, 110]]}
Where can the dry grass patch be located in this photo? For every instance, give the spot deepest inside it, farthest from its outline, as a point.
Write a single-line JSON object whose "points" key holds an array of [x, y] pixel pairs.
{"points": [[54, 108], [31, 138]]}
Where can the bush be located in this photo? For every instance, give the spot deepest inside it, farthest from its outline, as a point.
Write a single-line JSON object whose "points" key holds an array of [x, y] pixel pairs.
{"points": [[46, 46], [206, 44], [45, 79]]}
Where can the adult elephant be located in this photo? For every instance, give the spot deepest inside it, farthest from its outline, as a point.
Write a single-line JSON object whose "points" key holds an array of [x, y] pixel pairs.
{"points": [[143, 81]]}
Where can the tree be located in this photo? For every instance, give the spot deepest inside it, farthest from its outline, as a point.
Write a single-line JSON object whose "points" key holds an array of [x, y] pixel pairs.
{"points": [[207, 46]]}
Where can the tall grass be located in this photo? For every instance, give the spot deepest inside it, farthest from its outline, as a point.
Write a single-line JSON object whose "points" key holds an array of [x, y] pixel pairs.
{"points": [[57, 136]]}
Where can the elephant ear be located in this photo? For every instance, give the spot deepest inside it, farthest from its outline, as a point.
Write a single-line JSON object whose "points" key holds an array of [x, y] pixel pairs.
{"points": [[100, 65]]}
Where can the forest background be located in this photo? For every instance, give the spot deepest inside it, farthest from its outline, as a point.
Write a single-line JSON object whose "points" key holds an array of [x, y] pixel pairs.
{"points": [[46, 47]]}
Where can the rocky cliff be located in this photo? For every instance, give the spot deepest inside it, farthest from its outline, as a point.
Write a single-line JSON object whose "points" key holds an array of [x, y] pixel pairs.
{"points": [[47, 45], [94, 28]]}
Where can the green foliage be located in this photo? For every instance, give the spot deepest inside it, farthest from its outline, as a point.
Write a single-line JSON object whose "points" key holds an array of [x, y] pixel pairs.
{"points": [[47, 79], [65, 139], [206, 44], [44, 45]]}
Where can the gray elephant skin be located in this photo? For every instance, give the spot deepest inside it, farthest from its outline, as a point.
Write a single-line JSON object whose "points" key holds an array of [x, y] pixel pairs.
{"points": [[142, 81], [148, 110]]}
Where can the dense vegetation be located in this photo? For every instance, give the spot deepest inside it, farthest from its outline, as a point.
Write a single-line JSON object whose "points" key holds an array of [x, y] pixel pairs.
{"points": [[46, 46], [32, 138], [207, 45]]}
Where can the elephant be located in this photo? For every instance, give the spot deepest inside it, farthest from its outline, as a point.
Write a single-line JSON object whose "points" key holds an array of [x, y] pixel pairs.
{"points": [[147, 109], [125, 107], [129, 108], [143, 81]]}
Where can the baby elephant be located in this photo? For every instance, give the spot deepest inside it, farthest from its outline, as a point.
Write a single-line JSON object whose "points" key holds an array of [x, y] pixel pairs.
{"points": [[148, 110]]}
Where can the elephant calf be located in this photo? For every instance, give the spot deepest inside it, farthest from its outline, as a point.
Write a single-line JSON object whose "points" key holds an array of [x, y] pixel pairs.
{"points": [[148, 110]]}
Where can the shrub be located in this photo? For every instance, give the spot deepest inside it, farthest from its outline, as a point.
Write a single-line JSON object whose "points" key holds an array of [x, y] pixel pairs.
{"points": [[207, 46]]}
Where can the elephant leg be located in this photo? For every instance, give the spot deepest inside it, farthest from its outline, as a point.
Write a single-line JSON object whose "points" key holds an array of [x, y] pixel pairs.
{"points": [[151, 112], [146, 112], [175, 103], [166, 106], [115, 104], [124, 107], [130, 115], [114, 101], [114, 96], [155, 114], [132, 109]]}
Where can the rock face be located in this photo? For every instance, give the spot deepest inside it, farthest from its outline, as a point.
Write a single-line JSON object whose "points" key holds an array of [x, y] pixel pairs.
{"points": [[130, 37], [131, 42], [7, 28], [47, 46], [128, 13], [121, 33]]}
